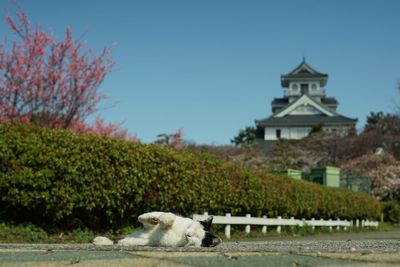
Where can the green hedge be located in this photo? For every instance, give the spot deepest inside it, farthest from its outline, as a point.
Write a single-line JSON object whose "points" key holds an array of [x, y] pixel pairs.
{"points": [[62, 179], [391, 211]]}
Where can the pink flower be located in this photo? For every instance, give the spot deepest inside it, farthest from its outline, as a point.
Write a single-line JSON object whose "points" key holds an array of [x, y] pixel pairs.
{"points": [[52, 83]]}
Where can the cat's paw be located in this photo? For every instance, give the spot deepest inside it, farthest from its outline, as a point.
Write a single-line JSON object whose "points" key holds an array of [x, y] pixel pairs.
{"points": [[150, 218], [167, 219], [154, 220], [102, 241]]}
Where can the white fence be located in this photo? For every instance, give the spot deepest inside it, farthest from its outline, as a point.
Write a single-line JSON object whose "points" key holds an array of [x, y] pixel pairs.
{"points": [[229, 220]]}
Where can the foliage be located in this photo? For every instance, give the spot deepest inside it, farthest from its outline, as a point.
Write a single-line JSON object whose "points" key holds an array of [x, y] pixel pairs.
{"points": [[245, 136], [174, 139], [373, 119], [317, 128], [354, 153], [300, 230], [66, 180], [78, 236], [384, 171], [52, 83], [21, 233], [391, 211], [283, 155], [29, 233], [383, 131]]}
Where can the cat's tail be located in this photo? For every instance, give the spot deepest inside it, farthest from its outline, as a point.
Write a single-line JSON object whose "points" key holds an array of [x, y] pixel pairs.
{"points": [[102, 241]]}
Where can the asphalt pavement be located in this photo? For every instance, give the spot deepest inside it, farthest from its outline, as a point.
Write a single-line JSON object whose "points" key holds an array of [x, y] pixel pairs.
{"points": [[364, 249]]}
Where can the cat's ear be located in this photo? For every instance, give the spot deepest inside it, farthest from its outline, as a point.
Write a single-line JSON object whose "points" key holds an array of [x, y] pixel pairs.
{"points": [[207, 222]]}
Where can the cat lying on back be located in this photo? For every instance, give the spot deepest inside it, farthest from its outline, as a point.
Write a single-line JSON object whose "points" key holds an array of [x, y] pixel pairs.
{"points": [[168, 230]]}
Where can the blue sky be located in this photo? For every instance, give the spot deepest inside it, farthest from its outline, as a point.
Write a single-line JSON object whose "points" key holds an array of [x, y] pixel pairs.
{"points": [[212, 67]]}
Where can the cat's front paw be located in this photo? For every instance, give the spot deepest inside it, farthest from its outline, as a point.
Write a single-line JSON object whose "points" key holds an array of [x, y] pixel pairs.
{"points": [[149, 218], [153, 220], [167, 220], [102, 241]]}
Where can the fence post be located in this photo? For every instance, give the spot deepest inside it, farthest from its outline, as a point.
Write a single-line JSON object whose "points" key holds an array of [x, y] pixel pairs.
{"points": [[228, 227], [312, 224], [247, 229], [264, 228], [332, 224], [292, 226], [279, 228]]}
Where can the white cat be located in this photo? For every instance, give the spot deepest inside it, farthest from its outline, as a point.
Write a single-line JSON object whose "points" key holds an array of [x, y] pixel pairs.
{"points": [[168, 230]]}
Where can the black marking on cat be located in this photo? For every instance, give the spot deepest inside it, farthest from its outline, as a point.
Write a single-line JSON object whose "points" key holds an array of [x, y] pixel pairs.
{"points": [[168, 230]]}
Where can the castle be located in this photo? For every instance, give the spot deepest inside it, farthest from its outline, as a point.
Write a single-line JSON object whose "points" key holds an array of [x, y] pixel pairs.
{"points": [[303, 107]]}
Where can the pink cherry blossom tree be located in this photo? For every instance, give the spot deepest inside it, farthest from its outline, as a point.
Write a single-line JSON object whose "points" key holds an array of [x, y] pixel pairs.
{"points": [[52, 83]]}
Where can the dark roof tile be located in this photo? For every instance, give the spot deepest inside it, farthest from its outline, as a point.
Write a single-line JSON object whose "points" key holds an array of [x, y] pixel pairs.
{"points": [[305, 120]]}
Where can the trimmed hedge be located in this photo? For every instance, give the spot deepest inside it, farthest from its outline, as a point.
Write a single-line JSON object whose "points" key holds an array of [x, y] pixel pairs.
{"points": [[66, 180]]}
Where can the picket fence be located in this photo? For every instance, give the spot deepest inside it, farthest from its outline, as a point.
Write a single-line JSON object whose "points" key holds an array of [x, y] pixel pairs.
{"points": [[229, 220]]}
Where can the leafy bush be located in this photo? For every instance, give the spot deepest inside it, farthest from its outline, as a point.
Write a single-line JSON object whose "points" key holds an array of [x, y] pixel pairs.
{"points": [[391, 211], [22, 233], [66, 180]]}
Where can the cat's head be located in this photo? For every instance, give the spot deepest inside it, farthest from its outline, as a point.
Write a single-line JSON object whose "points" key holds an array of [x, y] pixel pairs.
{"points": [[201, 233]]}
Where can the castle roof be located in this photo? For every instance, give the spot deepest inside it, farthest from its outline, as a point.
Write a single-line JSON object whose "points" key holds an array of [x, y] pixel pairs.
{"points": [[289, 117], [303, 73], [305, 120], [285, 101]]}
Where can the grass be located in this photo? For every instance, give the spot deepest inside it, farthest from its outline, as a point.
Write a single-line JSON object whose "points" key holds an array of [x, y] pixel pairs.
{"points": [[238, 234], [29, 233]]}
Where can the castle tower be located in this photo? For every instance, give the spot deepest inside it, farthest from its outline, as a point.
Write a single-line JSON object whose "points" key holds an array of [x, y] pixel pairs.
{"points": [[304, 106]]}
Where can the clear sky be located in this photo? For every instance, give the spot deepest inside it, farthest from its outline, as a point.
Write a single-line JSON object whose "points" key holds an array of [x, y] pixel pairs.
{"points": [[212, 67]]}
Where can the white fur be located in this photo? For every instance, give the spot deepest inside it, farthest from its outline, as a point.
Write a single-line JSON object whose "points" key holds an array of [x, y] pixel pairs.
{"points": [[164, 229], [102, 241]]}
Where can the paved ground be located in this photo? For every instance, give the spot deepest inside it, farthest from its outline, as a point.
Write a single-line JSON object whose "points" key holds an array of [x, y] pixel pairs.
{"points": [[367, 249]]}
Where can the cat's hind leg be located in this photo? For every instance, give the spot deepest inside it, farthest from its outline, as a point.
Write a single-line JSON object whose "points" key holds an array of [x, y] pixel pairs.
{"points": [[166, 220], [150, 219], [137, 238]]}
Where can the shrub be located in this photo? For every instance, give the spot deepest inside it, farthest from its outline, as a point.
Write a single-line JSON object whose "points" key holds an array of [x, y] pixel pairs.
{"points": [[22, 233], [56, 178], [391, 211]]}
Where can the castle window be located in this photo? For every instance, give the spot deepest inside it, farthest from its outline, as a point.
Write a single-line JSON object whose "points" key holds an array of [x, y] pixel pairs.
{"points": [[304, 88], [295, 87], [278, 133], [313, 87]]}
